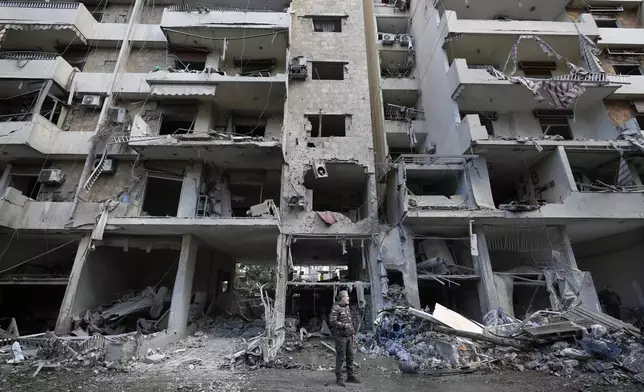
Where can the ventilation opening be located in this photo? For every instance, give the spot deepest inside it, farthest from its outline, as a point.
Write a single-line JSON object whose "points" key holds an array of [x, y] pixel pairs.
{"points": [[175, 125], [28, 185], [327, 70], [327, 24], [161, 197], [327, 125]]}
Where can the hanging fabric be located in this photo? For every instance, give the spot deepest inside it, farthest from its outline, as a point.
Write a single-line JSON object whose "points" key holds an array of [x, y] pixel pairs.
{"points": [[326, 26], [589, 52]]}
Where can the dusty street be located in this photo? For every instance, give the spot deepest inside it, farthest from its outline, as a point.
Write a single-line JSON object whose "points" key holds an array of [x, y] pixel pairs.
{"points": [[378, 375], [297, 380]]}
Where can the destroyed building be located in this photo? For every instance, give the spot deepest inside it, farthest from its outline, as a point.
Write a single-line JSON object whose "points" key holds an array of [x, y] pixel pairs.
{"points": [[471, 153]]}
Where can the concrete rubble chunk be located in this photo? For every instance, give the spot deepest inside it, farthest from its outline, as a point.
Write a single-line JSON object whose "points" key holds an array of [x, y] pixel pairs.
{"points": [[154, 358]]}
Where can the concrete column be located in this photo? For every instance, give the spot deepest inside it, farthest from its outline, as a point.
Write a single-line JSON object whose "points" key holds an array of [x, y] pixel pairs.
{"points": [[569, 254], [178, 317], [374, 266], [64, 322], [410, 276], [190, 191], [203, 122], [280, 286], [488, 294]]}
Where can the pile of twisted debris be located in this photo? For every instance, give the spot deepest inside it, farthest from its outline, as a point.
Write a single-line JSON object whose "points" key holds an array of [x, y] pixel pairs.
{"points": [[561, 343]]}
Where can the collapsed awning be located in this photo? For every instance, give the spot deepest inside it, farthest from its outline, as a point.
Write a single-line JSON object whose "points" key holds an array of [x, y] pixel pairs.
{"points": [[43, 27], [183, 90]]}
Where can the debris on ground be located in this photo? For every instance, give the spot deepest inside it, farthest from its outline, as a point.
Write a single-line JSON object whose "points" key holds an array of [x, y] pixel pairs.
{"points": [[446, 342], [142, 312]]}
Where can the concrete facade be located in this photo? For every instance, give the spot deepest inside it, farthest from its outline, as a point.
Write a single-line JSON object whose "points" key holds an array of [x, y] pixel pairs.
{"points": [[399, 158]]}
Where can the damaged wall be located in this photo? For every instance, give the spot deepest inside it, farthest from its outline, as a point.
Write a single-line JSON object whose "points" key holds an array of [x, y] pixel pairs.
{"points": [[311, 97], [616, 260], [211, 270]]}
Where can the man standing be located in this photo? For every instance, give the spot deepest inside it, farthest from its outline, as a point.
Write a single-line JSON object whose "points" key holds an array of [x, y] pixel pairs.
{"points": [[611, 301], [344, 333]]}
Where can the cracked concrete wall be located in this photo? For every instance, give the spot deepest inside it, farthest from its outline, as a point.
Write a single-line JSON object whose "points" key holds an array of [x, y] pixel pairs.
{"points": [[349, 96], [84, 119], [120, 13]]}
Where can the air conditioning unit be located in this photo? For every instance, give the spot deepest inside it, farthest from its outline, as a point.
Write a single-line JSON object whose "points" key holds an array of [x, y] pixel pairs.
{"points": [[319, 170], [54, 177], [388, 39], [298, 69], [92, 101], [109, 166], [404, 39]]}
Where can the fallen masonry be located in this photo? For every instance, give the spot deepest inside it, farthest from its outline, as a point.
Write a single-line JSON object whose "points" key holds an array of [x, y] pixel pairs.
{"points": [[447, 343]]}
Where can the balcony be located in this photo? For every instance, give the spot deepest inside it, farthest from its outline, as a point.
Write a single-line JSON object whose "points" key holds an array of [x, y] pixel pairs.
{"points": [[180, 16], [573, 185], [403, 125], [621, 38], [38, 136], [489, 9], [128, 84], [242, 93], [633, 90], [478, 90], [45, 25], [467, 27], [22, 213], [400, 91], [35, 66], [224, 150]]}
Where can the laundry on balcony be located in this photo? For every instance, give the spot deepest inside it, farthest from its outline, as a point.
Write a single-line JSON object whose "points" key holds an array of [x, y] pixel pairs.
{"points": [[560, 91]]}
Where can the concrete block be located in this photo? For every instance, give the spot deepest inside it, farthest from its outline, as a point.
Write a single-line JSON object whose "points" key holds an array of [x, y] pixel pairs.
{"points": [[14, 196]]}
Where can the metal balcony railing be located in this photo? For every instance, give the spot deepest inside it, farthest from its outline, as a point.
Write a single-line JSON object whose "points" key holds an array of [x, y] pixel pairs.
{"points": [[402, 113], [32, 4], [211, 7], [28, 56]]}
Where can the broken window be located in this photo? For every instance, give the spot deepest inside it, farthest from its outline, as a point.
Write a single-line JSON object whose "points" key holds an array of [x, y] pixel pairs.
{"points": [[537, 69], [327, 70], [173, 124], [627, 69], [433, 188], [327, 125], [327, 24], [599, 172], [555, 122], [189, 60], [255, 67], [162, 197], [28, 185]]}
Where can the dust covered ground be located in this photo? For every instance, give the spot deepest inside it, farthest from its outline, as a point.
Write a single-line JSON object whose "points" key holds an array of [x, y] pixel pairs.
{"points": [[181, 372]]}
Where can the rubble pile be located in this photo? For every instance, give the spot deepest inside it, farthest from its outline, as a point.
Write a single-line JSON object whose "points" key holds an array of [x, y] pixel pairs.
{"points": [[142, 312], [428, 346]]}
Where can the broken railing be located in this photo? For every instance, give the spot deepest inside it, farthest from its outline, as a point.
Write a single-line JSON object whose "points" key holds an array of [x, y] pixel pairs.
{"points": [[402, 113]]}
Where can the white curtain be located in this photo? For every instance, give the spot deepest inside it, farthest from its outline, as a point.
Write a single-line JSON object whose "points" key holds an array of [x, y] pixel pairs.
{"points": [[326, 26]]}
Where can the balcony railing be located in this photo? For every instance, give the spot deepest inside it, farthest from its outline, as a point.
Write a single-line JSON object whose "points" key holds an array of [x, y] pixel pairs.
{"points": [[402, 113], [28, 56], [210, 7], [31, 4]]}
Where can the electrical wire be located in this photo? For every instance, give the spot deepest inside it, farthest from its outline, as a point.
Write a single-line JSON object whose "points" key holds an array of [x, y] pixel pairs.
{"points": [[35, 257]]}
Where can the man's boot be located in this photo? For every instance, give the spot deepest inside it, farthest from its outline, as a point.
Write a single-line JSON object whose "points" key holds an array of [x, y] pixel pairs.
{"points": [[339, 381], [352, 379]]}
